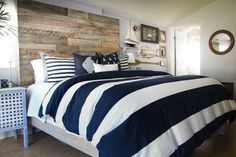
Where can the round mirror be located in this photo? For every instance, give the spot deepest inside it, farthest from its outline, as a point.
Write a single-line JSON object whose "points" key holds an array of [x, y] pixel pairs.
{"points": [[221, 42]]}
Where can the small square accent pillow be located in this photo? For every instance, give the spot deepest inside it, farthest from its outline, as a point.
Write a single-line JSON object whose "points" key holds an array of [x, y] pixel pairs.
{"points": [[57, 69], [106, 59], [106, 67], [83, 64]]}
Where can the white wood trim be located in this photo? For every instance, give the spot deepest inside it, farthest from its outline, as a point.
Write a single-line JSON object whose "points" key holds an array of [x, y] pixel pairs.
{"points": [[70, 139]]}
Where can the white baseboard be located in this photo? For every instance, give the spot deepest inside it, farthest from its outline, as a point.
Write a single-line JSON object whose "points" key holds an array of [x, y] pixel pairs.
{"points": [[12, 133], [6, 134]]}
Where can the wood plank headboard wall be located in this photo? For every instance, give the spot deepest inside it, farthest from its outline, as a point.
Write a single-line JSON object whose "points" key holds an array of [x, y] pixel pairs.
{"points": [[61, 31]]}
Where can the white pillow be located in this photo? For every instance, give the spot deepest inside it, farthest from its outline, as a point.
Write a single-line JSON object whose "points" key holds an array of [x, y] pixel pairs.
{"points": [[106, 67], [39, 75]]}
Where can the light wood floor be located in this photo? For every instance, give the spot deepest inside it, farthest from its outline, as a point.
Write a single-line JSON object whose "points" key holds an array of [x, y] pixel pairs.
{"points": [[42, 145]]}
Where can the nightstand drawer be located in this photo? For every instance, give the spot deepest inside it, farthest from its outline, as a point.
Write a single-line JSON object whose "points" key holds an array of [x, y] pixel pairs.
{"points": [[11, 109]]}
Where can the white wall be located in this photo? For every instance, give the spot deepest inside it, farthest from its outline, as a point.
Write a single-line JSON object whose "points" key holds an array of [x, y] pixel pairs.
{"points": [[215, 16], [9, 46], [124, 25], [9, 52]]}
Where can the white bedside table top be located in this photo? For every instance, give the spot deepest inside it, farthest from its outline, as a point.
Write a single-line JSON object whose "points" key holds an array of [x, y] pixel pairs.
{"points": [[13, 88]]}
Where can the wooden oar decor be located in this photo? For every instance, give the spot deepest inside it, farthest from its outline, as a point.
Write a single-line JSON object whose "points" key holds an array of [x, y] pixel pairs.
{"points": [[143, 62]]}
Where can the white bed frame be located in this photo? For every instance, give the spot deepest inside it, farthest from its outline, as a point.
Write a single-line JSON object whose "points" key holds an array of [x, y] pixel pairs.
{"points": [[80, 143], [70, 139]]}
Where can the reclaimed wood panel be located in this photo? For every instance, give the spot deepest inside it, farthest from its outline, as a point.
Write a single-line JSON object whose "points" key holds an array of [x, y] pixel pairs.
{"points": [[109, 46], [60, 32], [41, 7]]}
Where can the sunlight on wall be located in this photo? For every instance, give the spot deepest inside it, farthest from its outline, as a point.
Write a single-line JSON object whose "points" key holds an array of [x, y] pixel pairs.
{"points": [[9, 46], [7, 53], [188, 51]]}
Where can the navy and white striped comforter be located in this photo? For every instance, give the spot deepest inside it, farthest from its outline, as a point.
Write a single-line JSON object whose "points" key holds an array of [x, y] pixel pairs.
{"points": [[140, 113]]}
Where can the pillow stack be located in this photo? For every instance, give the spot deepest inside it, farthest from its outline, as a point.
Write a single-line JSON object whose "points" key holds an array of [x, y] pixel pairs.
{"points": [[83, 64], [55, 69], [108, 62], [99, 62]]}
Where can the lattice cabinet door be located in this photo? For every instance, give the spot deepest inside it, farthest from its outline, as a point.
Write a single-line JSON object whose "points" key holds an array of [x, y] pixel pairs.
{"points": [[13, 111]]}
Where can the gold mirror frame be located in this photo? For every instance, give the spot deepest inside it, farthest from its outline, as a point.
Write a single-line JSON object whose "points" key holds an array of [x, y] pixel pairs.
{"points": [[228, 49]]}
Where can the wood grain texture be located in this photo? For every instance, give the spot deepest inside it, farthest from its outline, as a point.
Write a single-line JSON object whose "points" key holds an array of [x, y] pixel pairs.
{"points": [[61, 31]]}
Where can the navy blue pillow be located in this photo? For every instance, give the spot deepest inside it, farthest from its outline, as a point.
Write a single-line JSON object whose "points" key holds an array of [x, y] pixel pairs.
{"points": [[106, 59], [83, 64]]}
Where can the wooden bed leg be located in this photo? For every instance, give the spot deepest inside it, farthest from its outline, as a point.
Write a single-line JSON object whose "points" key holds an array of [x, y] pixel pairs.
{"points": [[33, 130], [222, 130]]}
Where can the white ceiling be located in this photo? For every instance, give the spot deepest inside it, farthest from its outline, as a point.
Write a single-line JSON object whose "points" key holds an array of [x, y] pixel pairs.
{"points": [[160, 12]]}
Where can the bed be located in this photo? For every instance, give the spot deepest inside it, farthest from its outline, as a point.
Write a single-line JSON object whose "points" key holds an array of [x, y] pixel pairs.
{"points": [[114, 120], [131, 113]]}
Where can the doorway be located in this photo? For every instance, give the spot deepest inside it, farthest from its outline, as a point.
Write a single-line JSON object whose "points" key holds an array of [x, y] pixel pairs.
{"points": [[187, 50]]}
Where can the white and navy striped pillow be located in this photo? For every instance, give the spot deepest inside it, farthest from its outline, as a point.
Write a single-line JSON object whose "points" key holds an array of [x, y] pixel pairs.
{"points": [[58, 69], [124, 65]]}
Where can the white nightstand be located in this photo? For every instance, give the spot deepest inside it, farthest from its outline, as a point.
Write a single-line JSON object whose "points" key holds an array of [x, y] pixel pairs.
{"points": [[13, 111]]}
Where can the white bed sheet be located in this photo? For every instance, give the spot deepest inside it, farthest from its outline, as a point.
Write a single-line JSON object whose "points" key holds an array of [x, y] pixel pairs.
{"points": [[35, 95]]}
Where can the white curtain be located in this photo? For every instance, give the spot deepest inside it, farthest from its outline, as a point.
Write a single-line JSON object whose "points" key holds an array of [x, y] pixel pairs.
{"points": [[188, 51]]}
